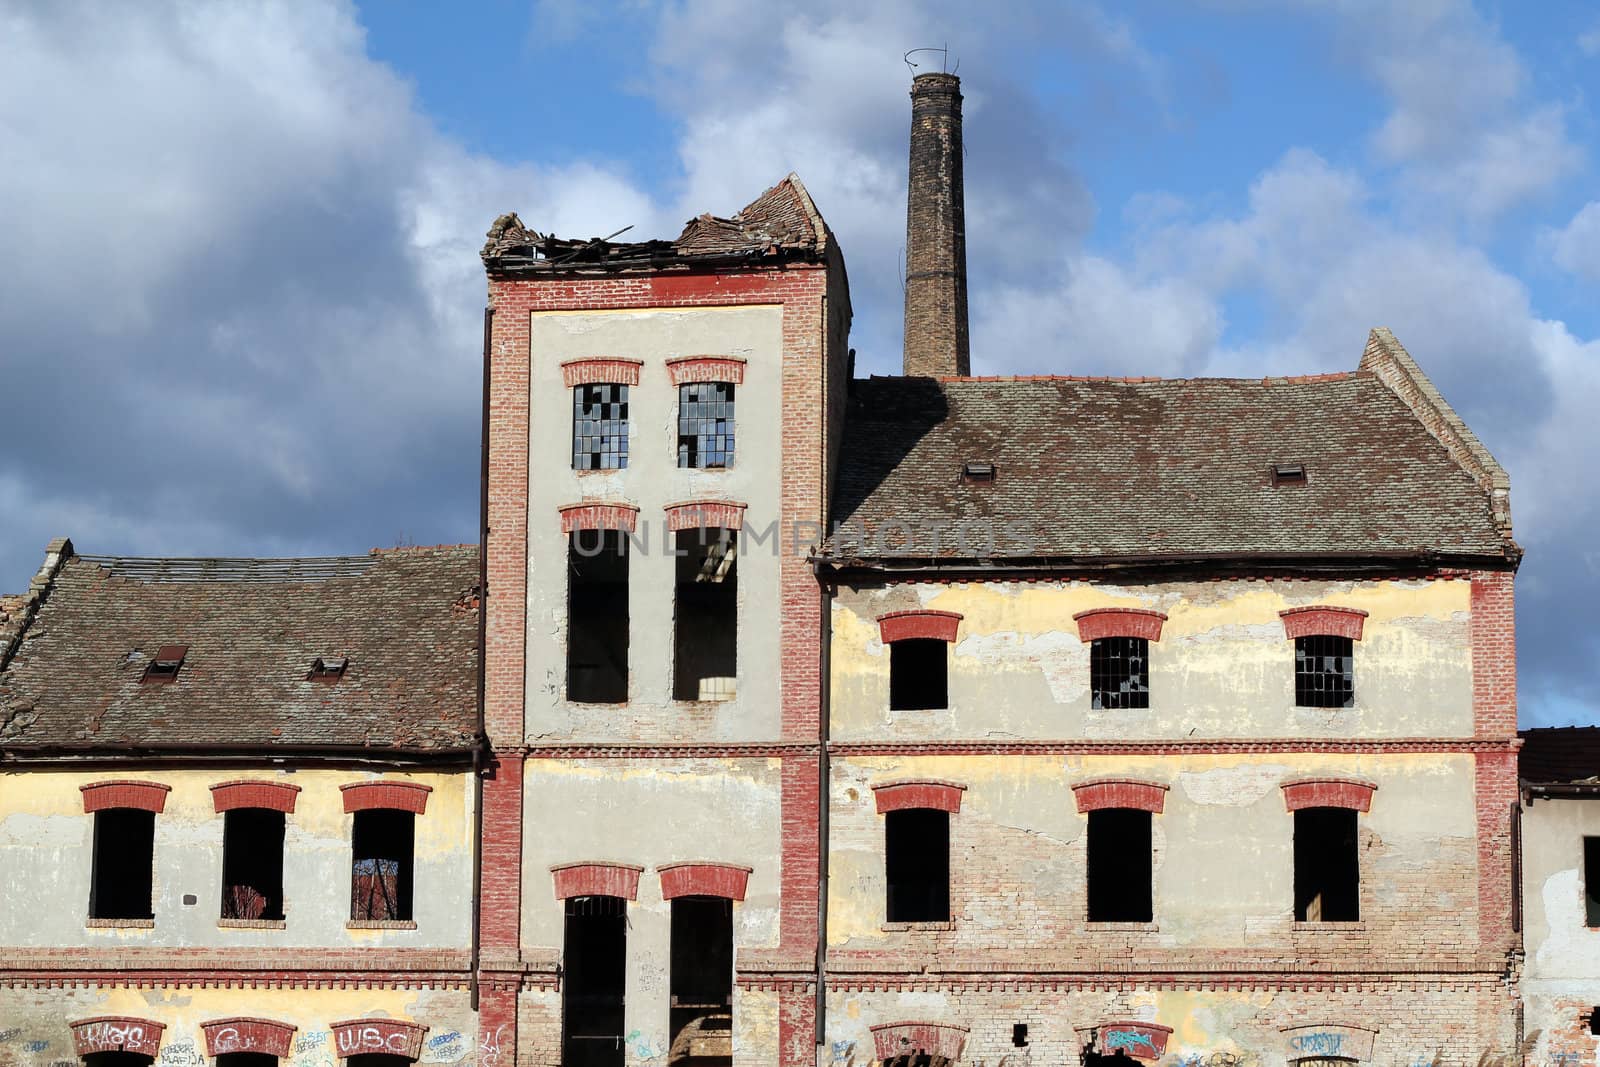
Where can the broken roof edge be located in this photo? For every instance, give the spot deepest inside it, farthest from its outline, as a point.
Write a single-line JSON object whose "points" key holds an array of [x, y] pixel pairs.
{"points": [[1389, 361], [56, 554], [1418, 561]]}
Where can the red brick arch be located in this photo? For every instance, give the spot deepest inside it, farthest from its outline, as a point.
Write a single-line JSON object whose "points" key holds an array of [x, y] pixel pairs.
{"points": [[702, 514], [935, 1039], [244, 1034], [398, 796], [1097, 793], [686, 369], [1142, 1041], [124, 793], [396, 1037], [698, 878], [918, 793], [597, 370], [1355, 793], [274, 796], [1323, 621], [1119, 622], [596, 878], [909, 625], [598, 516], [117, 1033]]}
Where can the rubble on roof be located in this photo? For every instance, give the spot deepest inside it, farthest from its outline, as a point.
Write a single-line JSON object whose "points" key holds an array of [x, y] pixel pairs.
{"points": [[1560, 754]]}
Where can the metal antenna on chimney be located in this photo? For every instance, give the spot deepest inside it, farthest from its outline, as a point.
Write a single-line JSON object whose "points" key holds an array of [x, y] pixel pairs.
{"points": [[943, 65]]}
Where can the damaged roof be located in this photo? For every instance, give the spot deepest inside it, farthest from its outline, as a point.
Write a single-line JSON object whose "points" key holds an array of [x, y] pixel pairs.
{"points": [[1559, 754], [1154, 470], [782, 223], [74, 658]]}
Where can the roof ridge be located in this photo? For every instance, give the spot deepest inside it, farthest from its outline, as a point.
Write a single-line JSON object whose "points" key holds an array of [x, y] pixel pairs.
{"points": [[1142, 379]]}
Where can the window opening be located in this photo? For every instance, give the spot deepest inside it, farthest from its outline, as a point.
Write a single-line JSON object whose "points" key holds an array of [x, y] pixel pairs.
{"points": [[706, 624], [1326, 867], [376, 1059], [1119, 675], [1591, 881], [974, 472], [702, 982], [124, 855], [918, 1059], [917, 862], [919, 674], [252, 864], [1288, 474], [256, 1059], [166, 663], [1120, 867], [116, 1059], [382, 843], [1019, 1035], [1324, 672], [328, 669], [594, 964], [599, 427], [597, 617], [705, 424]]}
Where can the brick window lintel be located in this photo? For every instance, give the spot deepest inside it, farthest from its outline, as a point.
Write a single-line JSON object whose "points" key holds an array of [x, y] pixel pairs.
{"points": [[245, 1034], [1097, 793], [934, 1039], [908, 625], [918, 793], [596, 878], [601, 370], [124, 793], [274, 796], [598, 516], [398, 796], [705, 514], [1323, 621], [1098, 623], [687, 369], [1355, 793], [396, 1037], [117, 1033]]}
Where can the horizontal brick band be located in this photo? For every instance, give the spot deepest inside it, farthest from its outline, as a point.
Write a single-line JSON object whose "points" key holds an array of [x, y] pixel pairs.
{"points": [[601, 370], [686, 369], [1328, 793], [598, 517], [396, 796], [596, 878], [933, 1039], [274, 796], [918, 793], [245, 1034], [1142, 1041], [1323, 622], [906, 625], [146, 796], [1327, 1041], [697, 878], [117, 1033], [1119, 622], [704, 514], [395, 1037], [1098, 793]]}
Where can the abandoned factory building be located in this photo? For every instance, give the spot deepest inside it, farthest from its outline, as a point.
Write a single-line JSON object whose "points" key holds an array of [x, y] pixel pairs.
{"points": [[784, 716]]}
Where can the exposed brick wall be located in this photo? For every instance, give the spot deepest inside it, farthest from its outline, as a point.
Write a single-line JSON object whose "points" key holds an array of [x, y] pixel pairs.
{"points": [[1493, 633], [686, 369], [703, 879], [274, 796], [397, 796], [1323, 622], [936, 339], [244, 1034], [698, 514], [932, 1038], [597, 879], [601, 369], [911, 625], [609, 516], [500, 892], [1119, 622], [145, 796], [1497, 793]]}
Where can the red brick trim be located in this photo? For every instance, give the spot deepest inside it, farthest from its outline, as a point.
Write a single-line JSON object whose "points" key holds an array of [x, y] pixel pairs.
{"points": [[686, 369], [274, 796], [703, 514], [908, 625], [245, 1034], [698, 878], [396, 1037], [1086, 747], [1353, 793], [399, 796], [123, 793], [117, 1033], [596, 878], [935, 1039], [1142, 1041], [1119, 622], [918, 793], [1097, 793], [1323, 621], [1492, 631], [596, 370], [623, 517]]}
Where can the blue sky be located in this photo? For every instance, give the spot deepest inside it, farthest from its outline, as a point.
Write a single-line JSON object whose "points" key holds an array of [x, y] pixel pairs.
{"points": [[248, 318]]}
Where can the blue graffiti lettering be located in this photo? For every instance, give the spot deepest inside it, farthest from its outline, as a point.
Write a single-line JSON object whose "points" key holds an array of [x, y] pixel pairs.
{"points": [[1130, 1039], [36, 1046], [1318, 1044]]}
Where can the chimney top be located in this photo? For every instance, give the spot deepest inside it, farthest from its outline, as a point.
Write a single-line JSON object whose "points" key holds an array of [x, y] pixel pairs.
{"points": [[936, 343]]}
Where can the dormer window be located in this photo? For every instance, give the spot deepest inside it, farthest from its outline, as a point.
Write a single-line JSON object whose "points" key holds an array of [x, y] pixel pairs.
{"points": [[1288, 474], [166, 664], [328, 669], [977, 472]]}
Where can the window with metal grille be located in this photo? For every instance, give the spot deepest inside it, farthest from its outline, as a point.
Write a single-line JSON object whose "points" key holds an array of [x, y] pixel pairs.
{"points": [[599, 427], [1324, 672], [705, 424], [382, 846], [1119, 675]]}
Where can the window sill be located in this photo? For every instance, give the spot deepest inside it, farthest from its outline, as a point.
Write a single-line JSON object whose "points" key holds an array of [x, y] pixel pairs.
{"points": [[894, 926], [1121, 927], [120, 924], [252, 924], [380, 924], [1329, 925]]}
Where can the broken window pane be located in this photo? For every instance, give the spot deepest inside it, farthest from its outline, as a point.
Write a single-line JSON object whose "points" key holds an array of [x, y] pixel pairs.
{"points": [[705, 424], [124, 855], [919, 674], [706, 630], [1120, 867], [1324, 672], [382, 843], [599, 427], [702, 982], [252, 864], [597, 617], [594, 969], [1327, 875], [1118, 672], [917, 863]]}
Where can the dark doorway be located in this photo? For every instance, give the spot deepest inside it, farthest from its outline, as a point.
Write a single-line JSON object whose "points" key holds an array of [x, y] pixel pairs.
{"points": [[597, 617], [376, 1059], [1120, 866], [382, 843], [255, 1059], [706, 623], [594, 961], [124, 857], [702, 982], [116, 1059], [1327, 873], [917, 863], [252, 866]]}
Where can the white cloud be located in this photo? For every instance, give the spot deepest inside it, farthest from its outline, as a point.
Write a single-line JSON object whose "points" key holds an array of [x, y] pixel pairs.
{"points": [[1576, 246]]}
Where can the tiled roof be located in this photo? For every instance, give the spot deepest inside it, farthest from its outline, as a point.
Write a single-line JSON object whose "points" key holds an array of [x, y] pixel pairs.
{"points": [[407, 619], [1560, 754], [1139, 468]]}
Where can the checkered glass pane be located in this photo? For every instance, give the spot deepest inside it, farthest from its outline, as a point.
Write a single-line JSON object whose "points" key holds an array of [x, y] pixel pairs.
{"points": [[705, 424], [1118, 672], [599, 427], [1324, 672]]}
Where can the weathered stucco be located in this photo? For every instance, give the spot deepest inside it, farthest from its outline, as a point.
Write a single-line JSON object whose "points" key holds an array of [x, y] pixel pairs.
{"points": [[1561, 977]]}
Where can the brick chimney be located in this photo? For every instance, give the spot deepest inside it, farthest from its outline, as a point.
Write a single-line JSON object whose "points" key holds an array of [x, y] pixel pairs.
{"points": [[936, 233]]}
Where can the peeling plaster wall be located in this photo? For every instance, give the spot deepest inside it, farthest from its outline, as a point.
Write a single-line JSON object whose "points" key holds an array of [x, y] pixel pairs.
{"points": [[1223, 667], [46, 856], [651, 481], [1561, 977]]}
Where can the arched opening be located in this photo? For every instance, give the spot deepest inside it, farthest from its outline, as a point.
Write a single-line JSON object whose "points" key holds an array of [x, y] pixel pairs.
{"points": [[1119, 1058], [918, 1059], [253, 1059], [116, 1059], [376, 1059]]}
